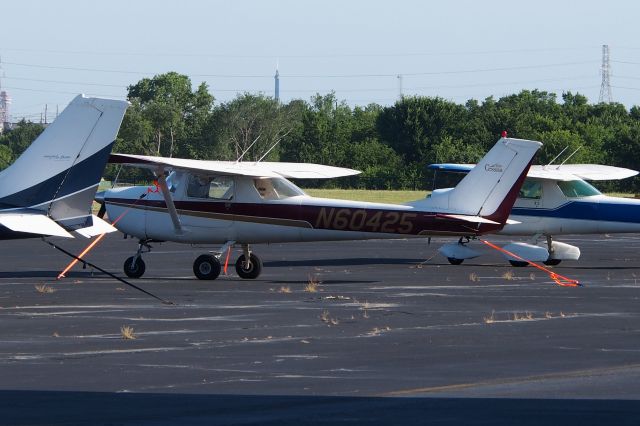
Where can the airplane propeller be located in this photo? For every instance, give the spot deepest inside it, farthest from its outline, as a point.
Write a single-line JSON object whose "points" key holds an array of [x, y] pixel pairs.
{"points": [[99, 198]]}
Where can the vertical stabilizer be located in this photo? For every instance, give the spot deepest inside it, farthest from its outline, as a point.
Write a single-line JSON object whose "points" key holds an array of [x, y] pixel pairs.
{"points": [[490, 189], [60, 171]]}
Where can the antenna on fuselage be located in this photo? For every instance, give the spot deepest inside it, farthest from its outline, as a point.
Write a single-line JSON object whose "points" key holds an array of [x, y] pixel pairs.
{"points": [[567, 159], [273, 146], [247, 150], [556, 157]]}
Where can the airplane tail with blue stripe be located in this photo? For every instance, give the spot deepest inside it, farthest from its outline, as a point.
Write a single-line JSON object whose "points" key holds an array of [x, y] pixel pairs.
{"points": [[58, 174]]}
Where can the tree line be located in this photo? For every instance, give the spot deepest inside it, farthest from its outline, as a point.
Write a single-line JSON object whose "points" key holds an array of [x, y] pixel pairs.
{"points": [[391, 145]]}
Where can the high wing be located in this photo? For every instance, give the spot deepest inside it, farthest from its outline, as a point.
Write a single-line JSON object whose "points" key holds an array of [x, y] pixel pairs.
{"points": [[582, 171], [564, 172], [263, 169]]}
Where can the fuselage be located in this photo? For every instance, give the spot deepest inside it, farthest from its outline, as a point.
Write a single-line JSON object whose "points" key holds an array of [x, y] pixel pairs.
{"points": [[570, 207], [268, 210]]}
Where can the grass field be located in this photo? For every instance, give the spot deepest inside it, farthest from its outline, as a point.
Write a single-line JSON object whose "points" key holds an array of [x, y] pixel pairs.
{"points": [[376, 196]]}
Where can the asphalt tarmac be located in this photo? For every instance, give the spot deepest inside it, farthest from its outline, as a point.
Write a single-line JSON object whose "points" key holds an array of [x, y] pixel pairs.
{"points": [[392, 334]]}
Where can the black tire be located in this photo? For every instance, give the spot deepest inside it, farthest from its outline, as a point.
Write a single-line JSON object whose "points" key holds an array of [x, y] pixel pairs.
{"points": [[518, 263], [253, 271], [454, 261], [552, 262], [134, 270], [207, 267]]}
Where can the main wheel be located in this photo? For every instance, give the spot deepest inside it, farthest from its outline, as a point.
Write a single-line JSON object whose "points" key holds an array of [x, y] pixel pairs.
{"points": [[251, 271], [134, 269], [454, 261], [518, 264], [552, 262], [207, 267]]}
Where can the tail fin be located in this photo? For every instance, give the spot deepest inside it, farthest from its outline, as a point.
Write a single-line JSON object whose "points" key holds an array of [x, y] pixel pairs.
{"points": [[60, 171], [491, 187]]}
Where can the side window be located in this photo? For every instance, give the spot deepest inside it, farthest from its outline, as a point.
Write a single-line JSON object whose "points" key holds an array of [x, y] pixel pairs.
{"points": [[210, 187], [221, 188], [531, 189]]}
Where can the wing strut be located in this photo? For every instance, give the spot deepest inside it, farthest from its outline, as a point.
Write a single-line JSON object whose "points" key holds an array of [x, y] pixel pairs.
{"points": [[162, 183]]}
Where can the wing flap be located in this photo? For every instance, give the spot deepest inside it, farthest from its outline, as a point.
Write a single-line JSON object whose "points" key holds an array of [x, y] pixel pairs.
{"points": [[33, 223]]}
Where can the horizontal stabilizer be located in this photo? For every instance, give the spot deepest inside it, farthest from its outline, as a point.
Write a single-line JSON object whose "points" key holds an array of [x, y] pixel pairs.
{"points": [[467, 218], [99, 227], [33, 224]]}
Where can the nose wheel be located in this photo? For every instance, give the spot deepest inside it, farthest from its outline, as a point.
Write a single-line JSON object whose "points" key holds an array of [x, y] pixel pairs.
{"points": [[134, 267], [249, 270]]}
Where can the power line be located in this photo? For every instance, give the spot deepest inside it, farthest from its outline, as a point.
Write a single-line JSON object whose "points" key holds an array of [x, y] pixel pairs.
{"points": [[363, 75], [301, 56]]}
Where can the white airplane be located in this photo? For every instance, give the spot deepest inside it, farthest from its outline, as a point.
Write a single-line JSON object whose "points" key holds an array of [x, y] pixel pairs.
{"points": [[556, 200], [49, 189], [236, 203]]}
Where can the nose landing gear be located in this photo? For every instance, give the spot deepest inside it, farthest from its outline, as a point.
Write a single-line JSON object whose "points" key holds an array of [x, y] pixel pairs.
{"points": [[205, 267]]}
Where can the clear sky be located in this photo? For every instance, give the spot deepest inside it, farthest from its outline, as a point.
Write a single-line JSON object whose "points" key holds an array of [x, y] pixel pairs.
{"points": [[455, 49]]}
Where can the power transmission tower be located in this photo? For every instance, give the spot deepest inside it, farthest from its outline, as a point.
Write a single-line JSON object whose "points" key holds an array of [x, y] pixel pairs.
{"points": [[605, 88]]}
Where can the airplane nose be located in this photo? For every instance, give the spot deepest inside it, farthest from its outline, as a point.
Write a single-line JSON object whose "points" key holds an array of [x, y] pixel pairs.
{"points": [[99, 198]]}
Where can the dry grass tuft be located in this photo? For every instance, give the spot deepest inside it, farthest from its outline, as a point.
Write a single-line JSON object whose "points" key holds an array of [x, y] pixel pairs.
{"points": [[365, 310], [491, 318], [55, 334], [528, 315], [325, 318], [127, 332], [312, 285], [532, 276], [377, 331], [548, 315], [509, 276], [44, 289], [473, 277], [562, 315], [284, 289]]}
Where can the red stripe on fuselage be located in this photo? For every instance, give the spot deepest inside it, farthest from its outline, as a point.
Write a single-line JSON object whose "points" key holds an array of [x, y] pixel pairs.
{"points": [[403, 222]]}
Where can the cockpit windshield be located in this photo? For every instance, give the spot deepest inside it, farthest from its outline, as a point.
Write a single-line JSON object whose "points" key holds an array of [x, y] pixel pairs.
{"points": [[577, 189], [276, 188]]}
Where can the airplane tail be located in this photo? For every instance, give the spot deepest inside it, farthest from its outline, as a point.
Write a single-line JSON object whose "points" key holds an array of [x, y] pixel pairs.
{"points": [[60, 171], [490, 189]]}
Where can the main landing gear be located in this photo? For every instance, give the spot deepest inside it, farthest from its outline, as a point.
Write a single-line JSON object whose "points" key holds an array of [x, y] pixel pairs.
{"points": [[206, 266]]}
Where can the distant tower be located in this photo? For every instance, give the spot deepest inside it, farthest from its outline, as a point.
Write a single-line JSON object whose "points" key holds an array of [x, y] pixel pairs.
{"points": [[277, 78], [399, 87], [5, 102], [605, 88]]}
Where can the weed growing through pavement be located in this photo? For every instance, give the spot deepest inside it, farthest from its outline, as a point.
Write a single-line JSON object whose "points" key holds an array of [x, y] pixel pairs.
{"points": [[509, 276], [474, 277], [44, 289], [491, 318], [312, 285], [285, 289], [127, 332]]}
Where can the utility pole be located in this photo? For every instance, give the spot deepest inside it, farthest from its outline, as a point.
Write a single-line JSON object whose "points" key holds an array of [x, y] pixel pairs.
{"points": [[605, 87], [399, 87]]}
